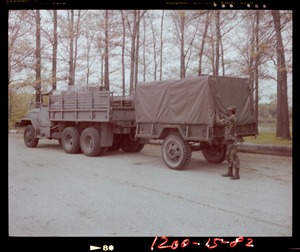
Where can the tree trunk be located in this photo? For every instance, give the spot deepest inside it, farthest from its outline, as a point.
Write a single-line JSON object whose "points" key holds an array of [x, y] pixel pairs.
{"points": [[38, 84], [123, 53], [10, 96], [77, 32], [212, 58], [106, 61], [154, 51], [137, 49], [161, 45], [182, 54], [203, 43], [144, 52], [54, 54], [132, 53], [71, 60], [256, 62], [218, 41], [283, 125]]}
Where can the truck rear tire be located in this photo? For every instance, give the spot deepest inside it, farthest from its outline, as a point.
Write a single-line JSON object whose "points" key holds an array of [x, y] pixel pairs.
{"points": [[117, 143], [131, 146], [140, 147], [70, 140], [215, 153], [176, 152], [29, 137], [90, 142]]}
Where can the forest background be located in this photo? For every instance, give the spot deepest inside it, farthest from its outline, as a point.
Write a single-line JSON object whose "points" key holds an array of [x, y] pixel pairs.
{"points": [[116, 49]]}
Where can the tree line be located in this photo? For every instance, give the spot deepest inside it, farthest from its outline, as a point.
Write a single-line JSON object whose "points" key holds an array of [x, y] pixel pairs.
{"points": [[116, 49]]}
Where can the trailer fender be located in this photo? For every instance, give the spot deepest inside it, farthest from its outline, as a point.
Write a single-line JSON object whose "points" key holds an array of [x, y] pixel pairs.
{"points": [[169, 129]]}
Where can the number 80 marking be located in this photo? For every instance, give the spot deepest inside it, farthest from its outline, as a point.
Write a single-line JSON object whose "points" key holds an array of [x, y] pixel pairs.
{"points": [[106, 248]]}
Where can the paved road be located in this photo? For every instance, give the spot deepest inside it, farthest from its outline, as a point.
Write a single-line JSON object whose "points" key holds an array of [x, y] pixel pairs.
{"points": [[52, 193]]}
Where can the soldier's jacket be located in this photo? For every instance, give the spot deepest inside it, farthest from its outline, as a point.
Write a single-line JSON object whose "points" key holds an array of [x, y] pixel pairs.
{"points": [[229, 123]]}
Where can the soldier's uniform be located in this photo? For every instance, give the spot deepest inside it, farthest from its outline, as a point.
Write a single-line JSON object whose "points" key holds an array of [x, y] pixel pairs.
{"points": [[231, 143]]}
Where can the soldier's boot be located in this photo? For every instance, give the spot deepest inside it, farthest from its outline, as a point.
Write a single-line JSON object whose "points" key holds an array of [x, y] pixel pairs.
{"points": [[236, 174], [229, 173]]}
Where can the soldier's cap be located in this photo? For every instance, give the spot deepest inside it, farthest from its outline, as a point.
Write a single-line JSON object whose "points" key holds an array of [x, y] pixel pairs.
{"points": [[232, 108]]}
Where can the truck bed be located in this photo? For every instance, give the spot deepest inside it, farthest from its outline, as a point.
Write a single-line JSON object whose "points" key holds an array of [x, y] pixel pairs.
{"points": [[95, 106]]}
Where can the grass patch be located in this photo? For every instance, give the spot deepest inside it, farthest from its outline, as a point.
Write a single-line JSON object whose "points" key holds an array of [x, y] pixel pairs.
{"points": [[268, 138]]}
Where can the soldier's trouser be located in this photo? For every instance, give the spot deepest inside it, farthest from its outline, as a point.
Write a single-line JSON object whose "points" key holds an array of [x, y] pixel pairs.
{"points": [[231, 155]]}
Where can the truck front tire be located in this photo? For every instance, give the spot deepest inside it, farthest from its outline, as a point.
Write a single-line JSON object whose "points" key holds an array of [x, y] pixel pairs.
{"points": [[176, 152], [29, 137]]}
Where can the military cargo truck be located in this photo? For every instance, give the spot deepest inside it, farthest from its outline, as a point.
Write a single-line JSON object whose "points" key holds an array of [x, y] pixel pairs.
{"points": [[182, 114], [92, 121]]}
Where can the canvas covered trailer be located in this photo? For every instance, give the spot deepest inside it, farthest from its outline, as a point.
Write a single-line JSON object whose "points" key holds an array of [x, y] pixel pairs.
{"points": [[186, 109]]}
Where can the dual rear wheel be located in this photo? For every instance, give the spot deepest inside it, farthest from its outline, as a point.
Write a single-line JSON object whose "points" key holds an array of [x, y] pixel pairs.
{"points": [[89, 142]]}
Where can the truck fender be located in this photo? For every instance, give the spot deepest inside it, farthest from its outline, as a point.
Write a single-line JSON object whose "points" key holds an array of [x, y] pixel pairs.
{"points": [[27, 121], [23, 122]]}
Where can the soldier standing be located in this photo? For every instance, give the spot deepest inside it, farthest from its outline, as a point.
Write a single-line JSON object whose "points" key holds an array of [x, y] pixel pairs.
{"points": [[231, 142]]}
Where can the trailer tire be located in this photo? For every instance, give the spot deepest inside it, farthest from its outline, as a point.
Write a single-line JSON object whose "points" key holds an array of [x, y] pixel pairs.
{"points": [[176, 152], [90, 142], [215, 153], [29, 137]]}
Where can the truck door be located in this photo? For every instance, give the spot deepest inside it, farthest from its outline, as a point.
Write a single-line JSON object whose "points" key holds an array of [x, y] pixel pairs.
{"points": [[44, 121]]}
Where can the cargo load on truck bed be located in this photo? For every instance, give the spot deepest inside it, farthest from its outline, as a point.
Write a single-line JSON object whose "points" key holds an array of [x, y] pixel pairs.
{"points": [[193, 100]]}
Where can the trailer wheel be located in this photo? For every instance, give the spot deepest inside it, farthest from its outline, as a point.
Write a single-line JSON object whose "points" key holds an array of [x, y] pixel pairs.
{"points": [[131, 146], [176, 152], [29, 137], [215, 153], [70, 140], [90, 142]]}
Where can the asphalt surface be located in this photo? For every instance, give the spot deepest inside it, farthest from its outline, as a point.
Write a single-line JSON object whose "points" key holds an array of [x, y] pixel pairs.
{"points": [[52, 193]]}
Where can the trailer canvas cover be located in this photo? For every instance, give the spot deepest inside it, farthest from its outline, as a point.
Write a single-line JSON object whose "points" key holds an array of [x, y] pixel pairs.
{"points": [[194, 100]]}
